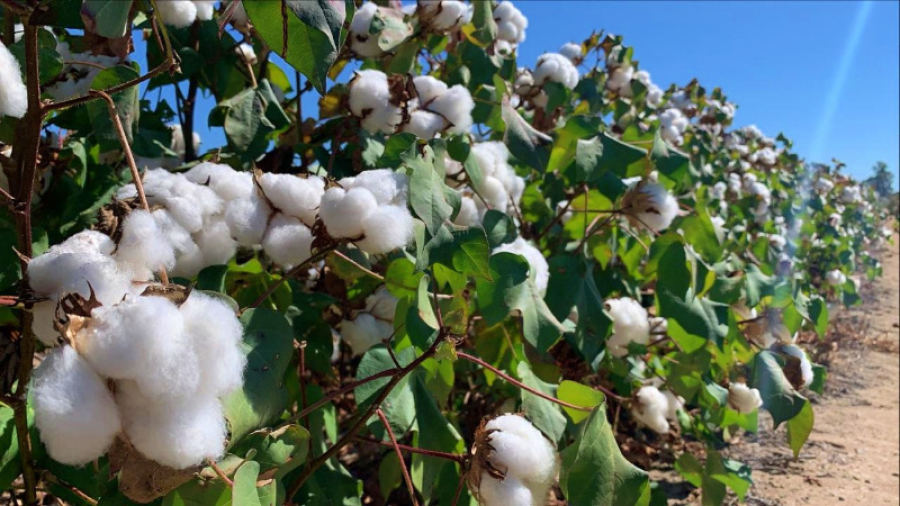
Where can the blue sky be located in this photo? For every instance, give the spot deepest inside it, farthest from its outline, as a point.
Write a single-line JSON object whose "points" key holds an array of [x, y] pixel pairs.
{"points": [[824, 73]]}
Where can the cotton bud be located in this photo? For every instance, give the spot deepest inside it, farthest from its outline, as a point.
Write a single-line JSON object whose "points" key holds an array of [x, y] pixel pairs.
{"points": [[539, 269], [246, 53], [650, 205], [630, 325], [514, 463], [556, 68], [650, 409], [371, 100], [444, 15], [835, 277], [364, 332], [511, 24], [13, 94], [362, 42], [573, 52], [743, 399], [798, 368], [74, 412]]}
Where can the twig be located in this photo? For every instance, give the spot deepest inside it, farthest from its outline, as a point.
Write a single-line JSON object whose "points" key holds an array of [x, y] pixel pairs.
{"points": [[289, 274], [354, 263], [518, 383], [459, 487], [84, 497], [221, 474], [421, 451], [390, 432], [129, 157]]}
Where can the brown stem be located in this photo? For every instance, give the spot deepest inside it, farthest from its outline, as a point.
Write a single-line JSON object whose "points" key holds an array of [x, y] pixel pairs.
{"points": [[129, 157], [459, 487], [518, 383], [221, 474], [354, 263], [412, 449], [289, 274], [406, 478]]}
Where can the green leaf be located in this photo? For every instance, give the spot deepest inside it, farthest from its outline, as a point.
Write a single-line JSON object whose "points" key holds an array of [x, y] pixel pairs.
{"points": [[513, 289], [268, 344], [427, 196], [465, 250], [308, 36], [587, 159], [485, 26], [544, 414], [499, 227], [435, 433], [818, 313], [572, 284], [281, 450], [668, 160], [779, 397], [10, 465], [126, 105], [399, 407], [244, 491], [107, 18], [579, 395], [799, 427], [621, 158], [524, 142], [594, 471]]}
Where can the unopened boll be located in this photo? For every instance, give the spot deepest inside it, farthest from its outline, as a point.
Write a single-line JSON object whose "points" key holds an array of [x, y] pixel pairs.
{"points": [[630, 325], [529, 459], [743, 399], [511, 24], [651, 409], [362, 42], [652, 206], [370, 100], [556, 68], [13, 94], [444, 15], [540, 270], [74, 412], [835, 277]]}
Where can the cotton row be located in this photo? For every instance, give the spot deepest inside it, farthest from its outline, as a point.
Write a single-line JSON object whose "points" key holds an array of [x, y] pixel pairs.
{"points": [[171, 366], [372, 325]]}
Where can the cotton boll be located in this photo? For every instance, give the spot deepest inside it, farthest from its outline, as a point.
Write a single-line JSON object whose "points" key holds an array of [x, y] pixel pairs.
{"points": [[835, 277], [228, 183], [511, 23], [215, 241], [777, 241], [494, 193], [824, 185], [540, 270], [177, 13], [672, 124], [806, 371], [288, 241], [650, 409], [362, 42], [205, 9], [215, 334], [54, 271], [143, 245], [295, 196], [364, 332], [388, 187], [13, 94], [382, 304], [654, 95], [176, 434], [344, 212], [556, 68], [573, 52], [246, 53], [370, 99], [428, 89], [718, 190], [523, 452], [445, 15], [247, 219], [468, 215], [455, 106], [652, 206], [493, 492], [620, 78], [74, 412], [424, 124], [386, 229], [178, 145], [674, 404], [630, 324], [743, 399]]}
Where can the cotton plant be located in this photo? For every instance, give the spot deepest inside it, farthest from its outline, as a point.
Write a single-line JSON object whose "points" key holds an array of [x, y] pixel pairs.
{"points": [[511, 26], [372, 325], [539, 270], [650, 205], [443, 16], [654, 409]]}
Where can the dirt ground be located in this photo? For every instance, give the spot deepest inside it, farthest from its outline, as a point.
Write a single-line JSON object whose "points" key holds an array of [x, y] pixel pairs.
{"points": [[853, 454]]}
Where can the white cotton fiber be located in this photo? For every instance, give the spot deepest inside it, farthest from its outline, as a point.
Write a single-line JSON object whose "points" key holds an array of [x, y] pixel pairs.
{"points": [[529, 460], [74, 412], [388, 187], [743, 399], [620, 78], [178, 145], [364, 332], [142, 339], [630, 325], [510, 491], [511, 23], [805, 365], [674, 404], [572, 51], [295, 196], [455, 106], [444, 15], [540, 270], [382, 304], [386, 229], [651, 408], [246, 53], [76, 78], [343, 212], [228, 183], [556, 68], [215, 333], [205, 9], [288, 241], [13, 94], [247, 219], [424, 124], [468, 215], [177, 434], [177, 13], [835, 277], [215, 241], [76, 263], [44, 314], [143, 245], [428, 89], [370, 98], [361, 41], [672, 124], [655, 207]]}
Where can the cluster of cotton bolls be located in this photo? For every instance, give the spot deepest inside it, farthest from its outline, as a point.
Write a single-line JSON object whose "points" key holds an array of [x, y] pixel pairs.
{"points": [[500, 188], [714, 107], [672, 125], [442, 16], [511, 25], [743, 399], [766, 156], [435, 109], [540, 270], [551, 67], [761, 192], [631, 324], [170, 365], [650, 205], [13, 94], [77, 75], [654, 409], [619, 74], [183, 13], [851, 194], [372, 325], [523, 455], [824, 185]]}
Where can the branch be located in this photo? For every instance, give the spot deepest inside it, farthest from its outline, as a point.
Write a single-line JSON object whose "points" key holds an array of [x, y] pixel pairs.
{"points": [[412, 449], [354, 263], [390, 432], [289, 274]]}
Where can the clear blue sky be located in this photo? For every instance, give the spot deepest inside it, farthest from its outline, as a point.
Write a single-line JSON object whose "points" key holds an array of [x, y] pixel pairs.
{"points": [[824, 73]]}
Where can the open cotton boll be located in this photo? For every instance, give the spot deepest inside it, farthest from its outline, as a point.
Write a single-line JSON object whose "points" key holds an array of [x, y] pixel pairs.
{"points": [[215, 333], [13, 94], [428, 89], [743, 399], [246, 53], [74, 412], [177, 13], [654, 95], [806, 371], [493, 492], [573, 52], [205, 9], [511, 23], [652, 206], [835, 277], [630, 325], [529, 459], [386, 229], [539, 271], [674, 404], [455, 106], [343, 212], [176, 434], [650, 409], [388, 187], [556, 68], [215, 241], [288, 241], [364, 332], [672, 124], [370, 98], [468, 215], [620, 78], [247, 219], [143, 246], [295, 196], [382, 304], [444, 15], [362, 42], [75, 78], [424, 124], [228, 183], [51, 272]]}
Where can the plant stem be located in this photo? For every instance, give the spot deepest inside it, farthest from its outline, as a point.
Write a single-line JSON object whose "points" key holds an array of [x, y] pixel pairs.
{"points": [[518, 383], [221, 474], [354, 263], [412, 449], [289, 274], [390, 432]]}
